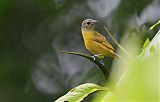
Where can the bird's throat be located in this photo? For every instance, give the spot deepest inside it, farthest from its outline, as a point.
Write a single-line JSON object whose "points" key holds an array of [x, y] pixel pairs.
{"points": [[88, 34]]}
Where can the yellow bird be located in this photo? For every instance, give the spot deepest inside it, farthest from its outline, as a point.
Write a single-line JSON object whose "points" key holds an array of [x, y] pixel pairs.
{"points": [[94, 41]]}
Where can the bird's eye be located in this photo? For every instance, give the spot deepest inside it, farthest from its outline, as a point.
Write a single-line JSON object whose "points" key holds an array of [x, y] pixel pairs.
{"points": [[88, 22]]}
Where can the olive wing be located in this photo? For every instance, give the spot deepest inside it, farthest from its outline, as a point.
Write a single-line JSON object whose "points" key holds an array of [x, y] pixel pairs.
{"points": [[102, 40]]}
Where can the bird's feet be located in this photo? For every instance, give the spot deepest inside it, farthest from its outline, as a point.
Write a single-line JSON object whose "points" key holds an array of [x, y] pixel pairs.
{"points": [[97, 55], [94, 56], [101, 61]]}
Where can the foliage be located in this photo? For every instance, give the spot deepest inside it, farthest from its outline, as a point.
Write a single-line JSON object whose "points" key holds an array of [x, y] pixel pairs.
{"points": [[138, 80], [96, 61], [32, 33], [78, 93]]}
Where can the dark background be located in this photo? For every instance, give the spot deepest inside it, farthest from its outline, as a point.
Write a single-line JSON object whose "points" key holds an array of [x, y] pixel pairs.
{"points": [[33, 32]]}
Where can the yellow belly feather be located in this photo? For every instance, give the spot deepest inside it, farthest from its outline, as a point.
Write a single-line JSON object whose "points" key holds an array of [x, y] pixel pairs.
{"points": [[93, 46]]}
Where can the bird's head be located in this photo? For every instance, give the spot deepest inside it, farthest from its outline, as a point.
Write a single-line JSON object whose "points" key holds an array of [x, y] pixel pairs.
{"points": [[88, 24]]}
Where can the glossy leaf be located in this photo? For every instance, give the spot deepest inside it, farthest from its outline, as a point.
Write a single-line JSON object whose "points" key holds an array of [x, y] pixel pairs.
{"points": [[96, 61], [78, 93], [152, 27], [146, 43], [154, 45]]}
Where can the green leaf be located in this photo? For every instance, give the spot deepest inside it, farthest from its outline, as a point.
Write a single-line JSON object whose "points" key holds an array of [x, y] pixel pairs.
{"points": [[153, 45], [131, 86], [96, 61], [152, 49], [79, 54], [152, 27], [146, 43], [78, 93], [115, 41]]}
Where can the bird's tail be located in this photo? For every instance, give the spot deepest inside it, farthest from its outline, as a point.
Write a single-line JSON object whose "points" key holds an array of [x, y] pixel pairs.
{"points": [[118, 56]]}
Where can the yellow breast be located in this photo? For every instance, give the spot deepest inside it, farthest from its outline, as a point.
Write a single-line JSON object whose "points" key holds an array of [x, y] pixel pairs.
{"points": [[93, 46], [88, 37]]}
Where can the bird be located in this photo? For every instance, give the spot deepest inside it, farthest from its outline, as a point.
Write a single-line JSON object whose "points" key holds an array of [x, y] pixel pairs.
{"points": [[95, 42]]}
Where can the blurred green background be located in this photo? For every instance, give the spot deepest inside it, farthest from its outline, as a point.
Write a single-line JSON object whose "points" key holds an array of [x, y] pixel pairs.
{"points": [[33, 32]]}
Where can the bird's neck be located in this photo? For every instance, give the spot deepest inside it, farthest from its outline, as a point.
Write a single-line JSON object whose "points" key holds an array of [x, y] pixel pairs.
{"points": [[88, 34], [88, 30]]}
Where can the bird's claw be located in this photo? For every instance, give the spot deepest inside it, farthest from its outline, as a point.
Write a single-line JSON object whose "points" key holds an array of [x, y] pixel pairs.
{"points": [[93, 58], [97, 55], [102, 62]]}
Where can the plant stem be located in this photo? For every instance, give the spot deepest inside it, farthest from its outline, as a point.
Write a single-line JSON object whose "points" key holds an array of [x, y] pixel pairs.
{"points": [[97, 62], [115, 41]]}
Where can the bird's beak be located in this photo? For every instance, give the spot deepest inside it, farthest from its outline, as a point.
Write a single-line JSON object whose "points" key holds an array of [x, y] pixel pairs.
{"points": [[95, 21]]}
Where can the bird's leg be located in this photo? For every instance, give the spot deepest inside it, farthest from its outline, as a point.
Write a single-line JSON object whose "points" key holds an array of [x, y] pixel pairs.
{"points": [[101, 61], [97, 55], [94, 56]]}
